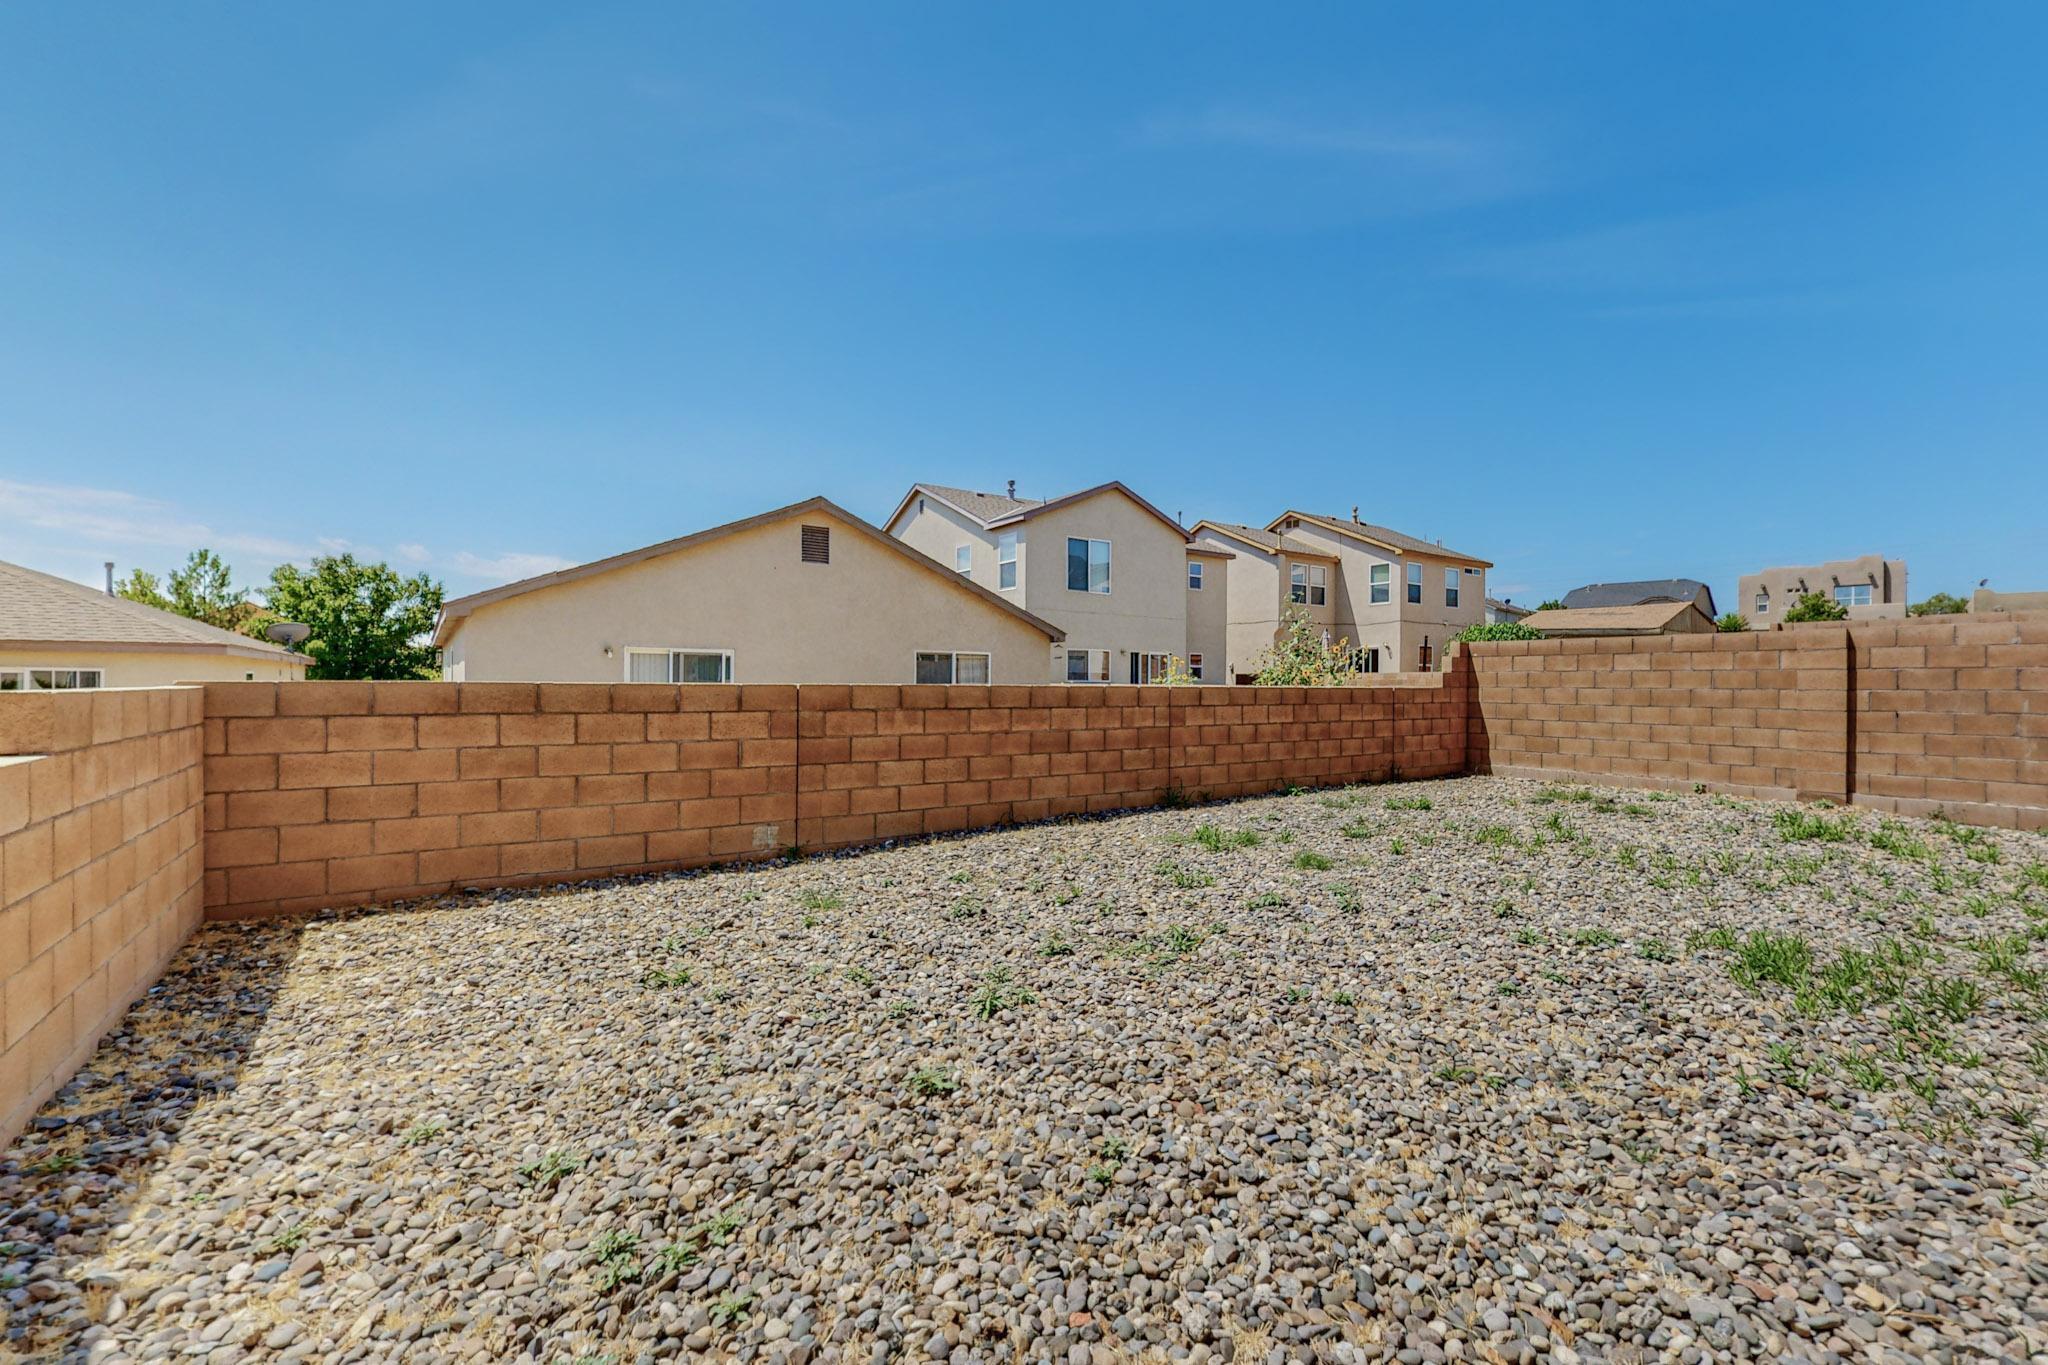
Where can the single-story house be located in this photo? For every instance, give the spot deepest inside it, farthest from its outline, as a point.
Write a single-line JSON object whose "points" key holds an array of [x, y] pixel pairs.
{"points": [[1643, 591], [808, 593], [1648, 618], [56, 634], [1500, 611]]}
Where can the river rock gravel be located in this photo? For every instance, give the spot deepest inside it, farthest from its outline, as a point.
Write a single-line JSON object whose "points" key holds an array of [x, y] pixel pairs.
{"points": [[1462, 1070]]}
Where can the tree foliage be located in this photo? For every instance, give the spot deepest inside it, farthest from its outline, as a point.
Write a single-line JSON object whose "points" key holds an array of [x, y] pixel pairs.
{"points": [[1941, 604], [1732, 620], [1497, 630], [1303, 656], [1551, 604], [1815, 606], [367, 622], [204, 589]]}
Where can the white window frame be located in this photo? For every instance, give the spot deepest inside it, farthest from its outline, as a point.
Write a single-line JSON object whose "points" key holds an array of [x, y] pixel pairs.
{"points": [[1318, 586], [963, 558], [1194, 575], [1195, 665], [1149, 667], [1763, 602], [1006, 568], [675, 655], [953, 658], [1107, 561], [24, 677], [1414, 580], [1297, 583], [1853, 589], [1381, 577], [1450, 586], [1089, 657]]}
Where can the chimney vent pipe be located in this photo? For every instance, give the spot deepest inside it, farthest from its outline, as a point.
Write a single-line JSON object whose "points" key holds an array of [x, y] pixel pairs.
{"points": [[110, 578]]}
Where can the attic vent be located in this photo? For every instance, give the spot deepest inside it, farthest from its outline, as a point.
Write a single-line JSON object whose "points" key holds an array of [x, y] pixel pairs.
{"points": [[817, 545]]}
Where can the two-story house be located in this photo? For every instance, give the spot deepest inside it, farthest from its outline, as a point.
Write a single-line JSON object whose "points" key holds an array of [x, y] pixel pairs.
{"points": [[1118, 576], [1395, 598]]}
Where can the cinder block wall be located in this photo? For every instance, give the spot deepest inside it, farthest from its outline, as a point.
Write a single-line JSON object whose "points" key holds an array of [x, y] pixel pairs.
{"points": [[326, 794], [99, 871]]}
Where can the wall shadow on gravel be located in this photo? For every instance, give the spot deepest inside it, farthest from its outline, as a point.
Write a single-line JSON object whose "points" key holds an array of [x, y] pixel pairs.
{"points": [[82, 1162]]}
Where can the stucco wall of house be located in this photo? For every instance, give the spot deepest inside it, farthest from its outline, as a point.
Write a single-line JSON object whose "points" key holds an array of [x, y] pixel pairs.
{"points": [[1399, 627], [1886, 578], [861, 618], [1209, 616], [1145, 610], [153, 667], [937, 531]]}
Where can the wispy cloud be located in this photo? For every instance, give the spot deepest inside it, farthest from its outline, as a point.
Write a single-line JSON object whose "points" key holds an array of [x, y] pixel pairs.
{"points": [[73, 527]]}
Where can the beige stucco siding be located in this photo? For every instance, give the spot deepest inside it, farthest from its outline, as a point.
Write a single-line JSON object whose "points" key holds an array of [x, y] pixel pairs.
{"points": [[937, 531], [1399, 627], [153, 667], [1145, 609], [1209, 617], [862, 618]]}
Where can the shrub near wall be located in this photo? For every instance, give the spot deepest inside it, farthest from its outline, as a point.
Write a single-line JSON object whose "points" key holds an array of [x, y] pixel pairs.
{"points": [[99, 871]]}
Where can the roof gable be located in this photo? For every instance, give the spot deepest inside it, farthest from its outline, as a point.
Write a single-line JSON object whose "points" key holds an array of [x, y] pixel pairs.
{"points": [[993, 511], [1384, 537], [454, 611], [1265, 542]]}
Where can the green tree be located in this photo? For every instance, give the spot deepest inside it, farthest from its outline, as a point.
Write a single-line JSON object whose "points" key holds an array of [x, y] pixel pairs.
{"points": [[1814, 606], [1732, 620], [203, 589], [1304, 656], [367, 622], [1941, 604], [1497, 630], [1551, 604]]}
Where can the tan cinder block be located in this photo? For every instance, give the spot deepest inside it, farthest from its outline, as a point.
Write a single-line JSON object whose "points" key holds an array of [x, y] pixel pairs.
{"points": [[320, 698], [353, 732]]}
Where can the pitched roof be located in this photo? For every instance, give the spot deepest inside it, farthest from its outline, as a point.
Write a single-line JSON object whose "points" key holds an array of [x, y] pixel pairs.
{"points": [[1502, 604], [1383, 536], [1643, 618], [1269, 541], [454, 610], [41, 609], [992, 510], [1641, 590]]}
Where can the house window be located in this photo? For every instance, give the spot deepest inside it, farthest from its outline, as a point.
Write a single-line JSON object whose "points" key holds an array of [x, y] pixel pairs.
{"points": [[1194, 575], [1088, 565], [1450, 587], [679, 665], [1763, 603], [817, 545], [943, 667], [1382, 582], [49, 679], [1087, 665], [1318, 585], [1006, 560], [963, 558], [1195, 667], [1852, 594], [1415, 583], [1365, 660], [1148, 668], [1297, 583]]}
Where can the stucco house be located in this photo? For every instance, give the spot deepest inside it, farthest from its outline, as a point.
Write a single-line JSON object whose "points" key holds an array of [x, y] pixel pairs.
{"points": [[1394, 597], [1116, 574], [56, 634], [1501, 611], [1870, 587], [1642, 618], [807, 593]]}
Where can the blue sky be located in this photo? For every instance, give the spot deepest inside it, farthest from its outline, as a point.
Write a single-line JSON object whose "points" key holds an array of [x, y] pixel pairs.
{"points": [[1592, 291]]}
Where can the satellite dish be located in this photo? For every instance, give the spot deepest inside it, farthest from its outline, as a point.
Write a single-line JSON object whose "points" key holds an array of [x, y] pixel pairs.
{"points": [[290, 634]]}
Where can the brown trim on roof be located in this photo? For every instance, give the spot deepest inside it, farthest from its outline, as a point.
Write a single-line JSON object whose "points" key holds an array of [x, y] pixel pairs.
{"points": [[1281, 551], [255, 649], [1012, 518], [1358, 532], [455, 609]]}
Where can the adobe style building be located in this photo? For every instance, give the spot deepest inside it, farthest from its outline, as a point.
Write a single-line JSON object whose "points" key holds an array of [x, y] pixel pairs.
{"points": [[56, 635], [1871, 587], [807, 593], [1122, 580], [1394, 597]]}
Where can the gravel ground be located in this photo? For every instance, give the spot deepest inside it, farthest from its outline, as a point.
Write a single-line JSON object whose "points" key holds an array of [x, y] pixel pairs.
{"points": [[1468, 1070]]}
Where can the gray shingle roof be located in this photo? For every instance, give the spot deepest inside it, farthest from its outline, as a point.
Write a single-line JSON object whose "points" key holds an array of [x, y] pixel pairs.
{"points": [[1270, 540], [39, 607], [1642, 590], [984, 506]]}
